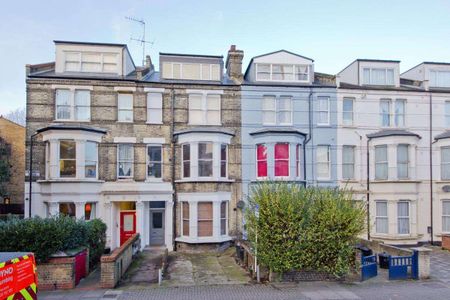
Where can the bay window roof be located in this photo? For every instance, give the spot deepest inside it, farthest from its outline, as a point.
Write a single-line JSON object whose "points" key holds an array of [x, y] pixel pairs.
{"points": [[392, 132], [219, 130], [71, 127]]}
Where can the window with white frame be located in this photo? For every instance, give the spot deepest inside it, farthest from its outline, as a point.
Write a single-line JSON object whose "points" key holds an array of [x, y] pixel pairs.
{"points": [[381, 162], [186, 160], [205, 159], [402, 161], [445, 163], [204, 219], [67, 158], [154, 162], [285, 110], [223, 217], [298, 155], [323, 111], [269, 110], [154, 108], [90, 211], [73, 105], [67, 209], [445, 215], [204, 109], [439, 78], [282, 72], [400, 108], [185, 218], [96, 62], [281, 159], [447, 114], [403, 217], [381, 218], [125, 160], [91, 159], [323, 161], [223, 160], [348, 162], [378, 76], [347, 111], [385, 112], [261, 160], [190, 71], [125, 107]]}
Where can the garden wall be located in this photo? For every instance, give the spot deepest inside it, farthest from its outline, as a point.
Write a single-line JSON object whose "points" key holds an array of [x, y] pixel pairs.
{"points": [[446, 242]]}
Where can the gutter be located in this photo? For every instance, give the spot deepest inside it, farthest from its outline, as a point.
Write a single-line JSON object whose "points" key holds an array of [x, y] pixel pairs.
{"points": [[308, 138], [431, 169], [173, 140], [368, 189], [30, 175]]}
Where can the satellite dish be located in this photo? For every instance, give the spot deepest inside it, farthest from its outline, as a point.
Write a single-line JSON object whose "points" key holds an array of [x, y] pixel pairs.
{"points": [[240, 204]]}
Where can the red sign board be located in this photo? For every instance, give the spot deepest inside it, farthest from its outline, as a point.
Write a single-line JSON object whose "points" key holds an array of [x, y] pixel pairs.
{"points": [[17, 274]]}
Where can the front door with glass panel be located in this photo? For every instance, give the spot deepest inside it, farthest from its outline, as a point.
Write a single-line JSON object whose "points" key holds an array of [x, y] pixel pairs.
{"points": [[127, 225], [156, 227]]}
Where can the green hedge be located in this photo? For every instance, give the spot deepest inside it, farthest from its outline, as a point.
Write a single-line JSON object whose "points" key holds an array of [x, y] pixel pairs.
{"points": [[296, 228], [45, 237]]}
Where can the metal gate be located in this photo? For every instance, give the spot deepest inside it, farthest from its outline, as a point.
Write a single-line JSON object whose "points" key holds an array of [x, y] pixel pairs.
{"points": [[399, 266], [368, 267]]}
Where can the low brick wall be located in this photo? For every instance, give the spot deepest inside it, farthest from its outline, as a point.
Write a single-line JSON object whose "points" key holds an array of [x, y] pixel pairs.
{"points": [[114, 265], [58, 273], [446, 242]]}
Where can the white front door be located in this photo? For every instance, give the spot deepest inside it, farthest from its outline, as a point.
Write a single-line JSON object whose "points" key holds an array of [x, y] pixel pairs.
{"points": [[156, 227]]}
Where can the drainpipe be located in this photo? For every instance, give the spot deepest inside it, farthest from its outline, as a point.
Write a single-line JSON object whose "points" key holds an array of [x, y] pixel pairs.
{"points": [[173, 140], [431, 168], [368, 189], [308, 138], [30, 175]]}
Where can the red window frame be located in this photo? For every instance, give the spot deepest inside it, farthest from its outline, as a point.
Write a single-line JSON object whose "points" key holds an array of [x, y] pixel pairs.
{"points": [[281, 159], [261, 160]]}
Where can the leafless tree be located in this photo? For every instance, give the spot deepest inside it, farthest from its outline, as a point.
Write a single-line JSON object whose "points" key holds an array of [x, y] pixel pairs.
{"points": [[18, 116]]}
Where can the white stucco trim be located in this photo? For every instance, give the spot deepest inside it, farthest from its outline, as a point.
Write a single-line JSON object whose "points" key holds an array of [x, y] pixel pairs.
{"points": [[205, 92], [154, 140], [72, 87], [125, 140], [125, 89], [214, 137], [154, 90]]}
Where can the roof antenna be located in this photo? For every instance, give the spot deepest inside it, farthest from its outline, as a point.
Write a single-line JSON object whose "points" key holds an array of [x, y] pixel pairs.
{"points": [[141, 40]]}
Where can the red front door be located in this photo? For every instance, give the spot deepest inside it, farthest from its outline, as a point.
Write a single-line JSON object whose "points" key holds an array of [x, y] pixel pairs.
{"points": [[127, 225]]}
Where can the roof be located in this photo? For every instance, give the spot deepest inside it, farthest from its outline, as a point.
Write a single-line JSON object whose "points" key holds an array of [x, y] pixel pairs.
{"points": [[90, 43], [205, 130], [444, 135], [278, 130], [71, 127], [392, 132], [378, 60], [282, 50], [190, 55], [344, 85], [436, 63], [155, 77], [6, 119]]}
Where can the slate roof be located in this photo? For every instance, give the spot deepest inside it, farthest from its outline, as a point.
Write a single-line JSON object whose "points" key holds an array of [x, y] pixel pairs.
{"points": [[72, 127], [278, 130], [392, 132], [210, 129], [444, 135]]}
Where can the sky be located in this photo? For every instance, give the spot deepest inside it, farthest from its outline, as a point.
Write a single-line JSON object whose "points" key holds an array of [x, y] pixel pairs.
{"points": [[333, 33]]}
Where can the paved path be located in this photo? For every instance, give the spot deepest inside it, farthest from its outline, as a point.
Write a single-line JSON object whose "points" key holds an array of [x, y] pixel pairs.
{"points": [[440, 265]]}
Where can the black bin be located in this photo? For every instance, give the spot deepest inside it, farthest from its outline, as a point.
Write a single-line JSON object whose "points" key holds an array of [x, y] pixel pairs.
{"points": [[365, 251], [383, 258]]}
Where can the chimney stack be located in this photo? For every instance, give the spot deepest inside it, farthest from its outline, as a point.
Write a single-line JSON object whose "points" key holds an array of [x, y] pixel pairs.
{"points": [[234, 64]]}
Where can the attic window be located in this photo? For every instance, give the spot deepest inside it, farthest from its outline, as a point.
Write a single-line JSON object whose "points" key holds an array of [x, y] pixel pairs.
{"points": [[190, 71], [94, 62], [378, 76], [282, 72], [440, 78]]}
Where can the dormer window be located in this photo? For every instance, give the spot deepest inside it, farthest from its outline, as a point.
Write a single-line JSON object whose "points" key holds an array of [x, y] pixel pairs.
{"points": [[282, 72], [90, 62], [440, 78], [378, 76], [190, 71]]}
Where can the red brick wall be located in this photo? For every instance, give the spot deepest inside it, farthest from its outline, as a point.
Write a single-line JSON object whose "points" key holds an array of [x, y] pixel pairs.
{"points": [[446, 242], [57, 273]]}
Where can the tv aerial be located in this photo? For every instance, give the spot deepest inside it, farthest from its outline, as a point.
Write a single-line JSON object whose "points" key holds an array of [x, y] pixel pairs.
{"points": [[141, 39]]}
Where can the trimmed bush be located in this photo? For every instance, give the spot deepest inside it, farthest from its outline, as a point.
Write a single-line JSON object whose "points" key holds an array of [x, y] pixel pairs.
{"points": [[96, 240], [45, 237], [296, 228]]}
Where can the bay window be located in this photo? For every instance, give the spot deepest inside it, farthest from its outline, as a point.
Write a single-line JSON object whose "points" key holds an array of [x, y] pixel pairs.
{"points": [[154, 161], [67, 158], [323, 111], [445, 163], [402, 161], [323, 161], [185, 218], [204, 109], [381, 162], [205, 219], [298, 162], [403, 217], [261, 160], [186, 160], [89, 211], [125, 107], [223, 217], [67, 209], [446, 216], [223, 160], [90, 161], [381, 218], [73, 105], [205, 159], [125, 160], [281, 160]]}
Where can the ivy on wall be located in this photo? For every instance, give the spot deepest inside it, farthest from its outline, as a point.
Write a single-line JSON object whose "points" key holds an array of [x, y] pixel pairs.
{"points": [[296, 228]]}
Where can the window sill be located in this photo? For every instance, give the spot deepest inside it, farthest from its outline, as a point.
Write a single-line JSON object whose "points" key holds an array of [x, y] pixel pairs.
{"points": [[204, 180], [349, 126], [204, 124], [72, 180], [394, 237], [201, 240], [153, 123], [130, 179], [323, 125], [125, 122], [159, 180], [395, 181], [71, 121]]}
